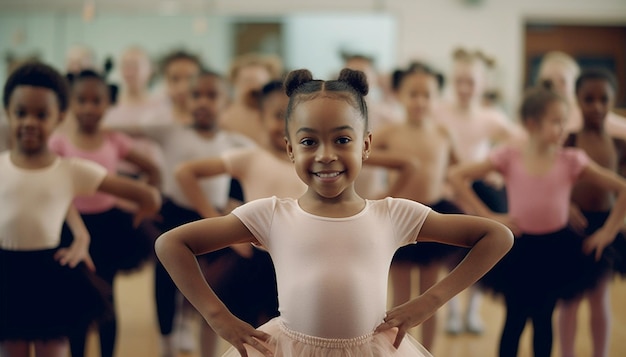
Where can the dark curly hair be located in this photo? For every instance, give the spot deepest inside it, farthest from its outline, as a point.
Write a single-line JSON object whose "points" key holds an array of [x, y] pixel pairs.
{"points": [[37, 74], [596, 73], [350, 86]]}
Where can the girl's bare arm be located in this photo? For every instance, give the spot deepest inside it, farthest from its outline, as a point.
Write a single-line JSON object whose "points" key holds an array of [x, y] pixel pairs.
{"points": [[177, 249], [489, 242], [145, 165], [188, 176], [145, 196]]}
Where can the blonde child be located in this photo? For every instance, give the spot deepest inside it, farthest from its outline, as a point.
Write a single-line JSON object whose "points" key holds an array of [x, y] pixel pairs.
{"points": [[558, 72], [135, 104], [331, 248], [43, 302], [476, 129], [547, 260]]}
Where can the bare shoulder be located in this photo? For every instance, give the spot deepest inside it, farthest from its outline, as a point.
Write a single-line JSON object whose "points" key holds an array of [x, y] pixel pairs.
{"points": [[382, 134]]}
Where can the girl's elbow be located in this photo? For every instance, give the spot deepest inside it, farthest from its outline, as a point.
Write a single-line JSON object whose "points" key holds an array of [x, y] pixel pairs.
{"points": [[180, 171], [505, 236], [160, 245]]}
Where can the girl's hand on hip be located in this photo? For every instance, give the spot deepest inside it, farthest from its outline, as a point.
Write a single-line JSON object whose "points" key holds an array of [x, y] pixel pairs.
{"points": [[238, 334], [406, 316], [597, 242], [74, 254]]}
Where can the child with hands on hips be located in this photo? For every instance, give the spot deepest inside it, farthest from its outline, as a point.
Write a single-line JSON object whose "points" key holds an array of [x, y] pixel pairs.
{"points": [[114, 247], [244, 277], [37, 188], [331, 248], [421, 138], [591, 205], [548, 259]]}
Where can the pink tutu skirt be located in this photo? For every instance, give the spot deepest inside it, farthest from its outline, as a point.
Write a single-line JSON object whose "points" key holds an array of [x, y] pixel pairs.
{"points": [[288, 343]]}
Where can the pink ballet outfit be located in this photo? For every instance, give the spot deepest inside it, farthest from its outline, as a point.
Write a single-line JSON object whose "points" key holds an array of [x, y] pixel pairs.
{"points": [[115, 243], [125, 114], [548, 255], [332, 275], [114, 148]]}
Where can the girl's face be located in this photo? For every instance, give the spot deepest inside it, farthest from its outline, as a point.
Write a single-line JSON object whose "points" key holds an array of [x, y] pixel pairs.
{"points": [[136, 70], [90, 100], [33, 114], [178, 76], [595, 99], [273, 117], [250, 78], [418, 94], [551, 127], [561, 78], [208, 98], [328, 144], [468, 81]]}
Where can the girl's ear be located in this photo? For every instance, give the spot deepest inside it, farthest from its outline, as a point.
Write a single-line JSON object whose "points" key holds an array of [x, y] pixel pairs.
{"points": [[367, 146], [289, 150]]}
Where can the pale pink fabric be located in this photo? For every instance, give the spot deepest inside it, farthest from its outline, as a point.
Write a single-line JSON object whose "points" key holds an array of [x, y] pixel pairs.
{"points": [[113, 149], [137, 114], [263, 175], [332, 272], [474, 137], [288, 343], [539, 204], [35, 202]]}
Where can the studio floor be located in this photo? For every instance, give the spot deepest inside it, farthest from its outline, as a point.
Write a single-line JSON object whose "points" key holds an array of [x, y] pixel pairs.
{"points": [[138, 331]]}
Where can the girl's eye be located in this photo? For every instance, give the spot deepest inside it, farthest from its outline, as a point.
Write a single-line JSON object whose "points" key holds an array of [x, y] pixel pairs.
{"points": [[307, 142], [343, 140], [20, 113], [41, 115]]}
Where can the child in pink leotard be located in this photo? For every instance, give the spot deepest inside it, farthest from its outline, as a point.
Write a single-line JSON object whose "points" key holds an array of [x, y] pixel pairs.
{"points": [[547, 260], [331, 248], [114, 247]]}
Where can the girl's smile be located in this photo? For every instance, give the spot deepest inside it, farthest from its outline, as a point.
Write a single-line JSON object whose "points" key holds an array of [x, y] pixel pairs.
{"points": [[327, 142]]}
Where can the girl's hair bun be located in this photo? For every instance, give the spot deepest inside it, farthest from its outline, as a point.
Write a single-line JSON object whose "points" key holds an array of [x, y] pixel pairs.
{"points": [[356, 79], [295, 79]]}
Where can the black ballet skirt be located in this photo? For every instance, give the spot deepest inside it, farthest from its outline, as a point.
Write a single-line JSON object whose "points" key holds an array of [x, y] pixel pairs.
{"points": [[425, 253], [116, 246], [613, 258], [42, 300], [550, 264], [247, 286]]}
